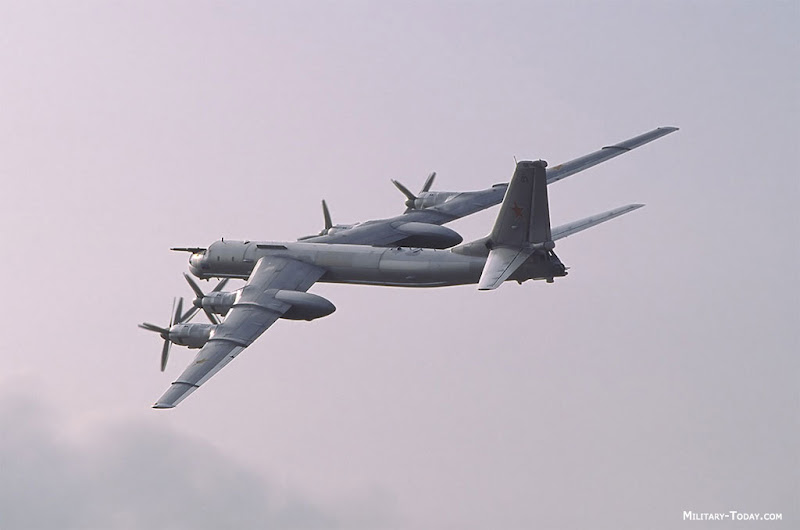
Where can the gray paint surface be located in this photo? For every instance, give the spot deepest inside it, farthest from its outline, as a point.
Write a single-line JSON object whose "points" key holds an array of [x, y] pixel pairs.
{"points": [[520, 247], [633, 390]]}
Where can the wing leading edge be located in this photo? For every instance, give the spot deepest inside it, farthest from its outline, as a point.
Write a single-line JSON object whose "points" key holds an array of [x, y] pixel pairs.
{"points": [[255, 310]]}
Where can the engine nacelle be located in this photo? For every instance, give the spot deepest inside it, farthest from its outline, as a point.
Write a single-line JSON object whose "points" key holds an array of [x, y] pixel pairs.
{"points": [[191, 335], [429, 199], [219, 302], [305, 306], [337, 228], [329, 231], [427, 235]]}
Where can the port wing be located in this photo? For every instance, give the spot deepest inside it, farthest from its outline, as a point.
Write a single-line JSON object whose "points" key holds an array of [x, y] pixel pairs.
{"points": [[556, 173]]}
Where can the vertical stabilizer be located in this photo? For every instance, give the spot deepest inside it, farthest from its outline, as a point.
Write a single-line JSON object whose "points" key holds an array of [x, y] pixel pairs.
{"points": [[522, 226], [524, 216]]}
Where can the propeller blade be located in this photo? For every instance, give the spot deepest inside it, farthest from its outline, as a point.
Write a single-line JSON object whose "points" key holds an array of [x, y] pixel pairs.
{"points": [[405, 191], [428, 182], [165, 354], [198, 293], [194, 286], [172, 313], [327, 215], [178, 311], [211, 316], [189, 314], [220, 285], [153, 327]]}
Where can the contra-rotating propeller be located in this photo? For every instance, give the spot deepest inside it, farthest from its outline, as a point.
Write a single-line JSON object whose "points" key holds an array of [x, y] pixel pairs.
{"points": [[175, 318], [410, 196], [198, 302]]}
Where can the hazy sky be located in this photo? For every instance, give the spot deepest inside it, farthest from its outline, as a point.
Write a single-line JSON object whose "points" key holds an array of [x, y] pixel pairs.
{"points": [[660, 376]]}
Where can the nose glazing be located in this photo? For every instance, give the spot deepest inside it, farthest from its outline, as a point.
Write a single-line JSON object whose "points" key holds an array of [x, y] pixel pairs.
{"points": [[196, 263]]}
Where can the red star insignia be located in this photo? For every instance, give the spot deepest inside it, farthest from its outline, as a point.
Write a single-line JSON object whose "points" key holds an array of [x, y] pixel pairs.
{"points": [[517, 210]]}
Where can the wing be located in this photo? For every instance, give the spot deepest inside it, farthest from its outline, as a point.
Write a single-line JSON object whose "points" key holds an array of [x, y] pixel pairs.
{"points": [[556, 173], [255, 310], [389, 232]]}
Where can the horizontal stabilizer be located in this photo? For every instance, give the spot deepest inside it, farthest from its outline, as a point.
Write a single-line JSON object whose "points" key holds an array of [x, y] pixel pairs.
{"points": [[501, 263], [576, 226]]}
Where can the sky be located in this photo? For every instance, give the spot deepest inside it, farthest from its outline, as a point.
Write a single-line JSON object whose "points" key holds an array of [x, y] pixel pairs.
{"points": [[659, 377]]}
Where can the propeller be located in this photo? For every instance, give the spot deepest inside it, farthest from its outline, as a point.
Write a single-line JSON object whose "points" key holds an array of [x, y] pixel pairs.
{"points": [[327, 214], [175, 318], [198, 302], [410, 196]]}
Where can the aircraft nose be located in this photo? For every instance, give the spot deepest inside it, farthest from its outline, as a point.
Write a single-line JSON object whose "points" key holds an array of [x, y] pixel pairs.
{"points": [[196, 262]]}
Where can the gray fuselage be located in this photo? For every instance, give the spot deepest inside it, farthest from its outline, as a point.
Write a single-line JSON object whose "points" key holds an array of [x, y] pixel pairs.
{"points": [[398, 266], [359, 264]]}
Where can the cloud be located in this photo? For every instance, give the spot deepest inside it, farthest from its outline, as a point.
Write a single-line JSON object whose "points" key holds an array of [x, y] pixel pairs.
{"points": [[135, 475]]}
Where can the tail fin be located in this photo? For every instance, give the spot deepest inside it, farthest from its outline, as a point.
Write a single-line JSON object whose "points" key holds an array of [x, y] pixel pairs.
{"points": [[522, 226], [524, 216]]}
